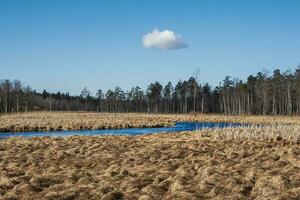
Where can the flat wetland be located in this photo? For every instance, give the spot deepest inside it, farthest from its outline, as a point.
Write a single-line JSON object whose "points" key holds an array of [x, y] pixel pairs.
{"points": [[55, 121], [256, 162]]}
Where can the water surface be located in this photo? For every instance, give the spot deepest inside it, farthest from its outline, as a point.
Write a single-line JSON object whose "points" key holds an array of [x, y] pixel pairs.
{"points": [[180, 126]]}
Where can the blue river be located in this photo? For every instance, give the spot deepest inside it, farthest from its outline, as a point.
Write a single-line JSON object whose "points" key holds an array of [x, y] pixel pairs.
{"points": [[180, 126]]}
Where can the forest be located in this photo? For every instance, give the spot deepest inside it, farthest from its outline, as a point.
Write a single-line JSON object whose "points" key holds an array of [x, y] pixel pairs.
{"points": [[261, 94]]}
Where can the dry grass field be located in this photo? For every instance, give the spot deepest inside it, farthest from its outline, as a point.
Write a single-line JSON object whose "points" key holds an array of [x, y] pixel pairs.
{"points": [[258, 162], [187, 165], [47, 121]]}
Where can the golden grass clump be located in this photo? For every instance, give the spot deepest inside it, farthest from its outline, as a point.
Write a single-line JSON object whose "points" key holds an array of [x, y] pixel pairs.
{"points": [[5, 184]]}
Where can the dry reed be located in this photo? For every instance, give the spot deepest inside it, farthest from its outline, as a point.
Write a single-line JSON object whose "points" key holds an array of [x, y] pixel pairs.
{"points": [[47, 121]]}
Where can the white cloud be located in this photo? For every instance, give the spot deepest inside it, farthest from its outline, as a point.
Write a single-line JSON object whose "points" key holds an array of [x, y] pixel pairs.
{"points": [[165, 39]]}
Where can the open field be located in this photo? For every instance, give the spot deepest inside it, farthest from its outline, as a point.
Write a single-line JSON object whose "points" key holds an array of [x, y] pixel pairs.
{"points": [[47, 121], [256, 162], [231, 163]]}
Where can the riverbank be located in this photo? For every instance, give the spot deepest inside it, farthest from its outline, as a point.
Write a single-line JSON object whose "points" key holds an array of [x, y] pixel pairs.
{"points": [[56, 121], [186, 165]]}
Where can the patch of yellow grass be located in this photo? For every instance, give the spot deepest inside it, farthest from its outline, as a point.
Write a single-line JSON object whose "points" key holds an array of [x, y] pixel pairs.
{"points": [[259, 133], [5, 184]]}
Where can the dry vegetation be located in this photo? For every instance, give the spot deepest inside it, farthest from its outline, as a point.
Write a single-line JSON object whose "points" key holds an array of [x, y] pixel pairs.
{"points": [[258, 162], [47, 121], [232, 163]]}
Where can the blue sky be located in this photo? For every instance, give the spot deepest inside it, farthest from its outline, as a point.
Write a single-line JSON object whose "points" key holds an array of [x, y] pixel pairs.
{"points": [[67, 44]]}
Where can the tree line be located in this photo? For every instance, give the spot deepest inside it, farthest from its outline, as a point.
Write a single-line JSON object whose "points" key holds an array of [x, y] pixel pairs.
{"points": [[261, 94]]}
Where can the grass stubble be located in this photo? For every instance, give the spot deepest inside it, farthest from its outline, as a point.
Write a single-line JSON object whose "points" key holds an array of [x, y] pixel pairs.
{"points": [[256, 162]]}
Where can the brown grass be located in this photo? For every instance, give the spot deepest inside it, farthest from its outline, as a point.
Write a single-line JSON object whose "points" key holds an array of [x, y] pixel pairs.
{"points": [[273, 132], [207, 164], [257, 162], [47, 121]]}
